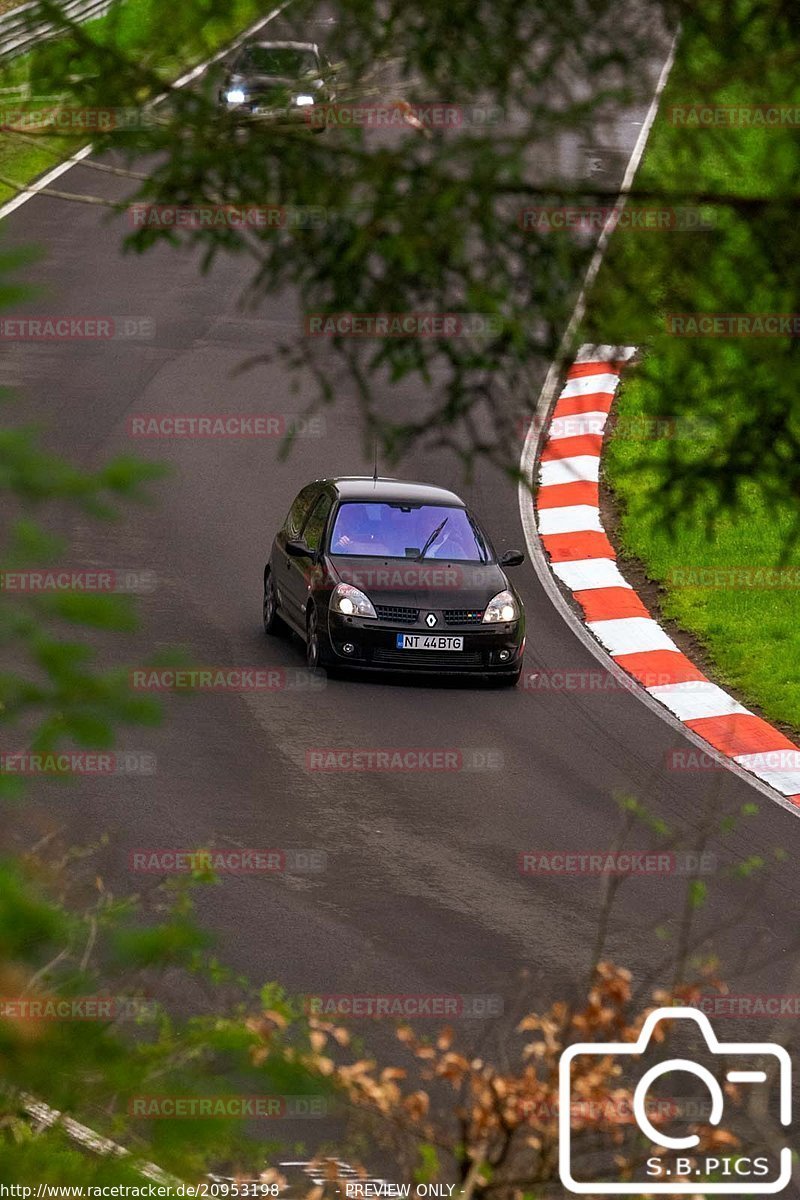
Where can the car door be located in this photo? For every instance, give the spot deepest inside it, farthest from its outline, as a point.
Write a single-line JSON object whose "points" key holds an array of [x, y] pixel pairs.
{"points": [[287, 571], [308, 573]]}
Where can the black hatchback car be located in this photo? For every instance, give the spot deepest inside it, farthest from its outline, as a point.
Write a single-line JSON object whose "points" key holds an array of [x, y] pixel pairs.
{"points": [[280, 80], [381, 574]]}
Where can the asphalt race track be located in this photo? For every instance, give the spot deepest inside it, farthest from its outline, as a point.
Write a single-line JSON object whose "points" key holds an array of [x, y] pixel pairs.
{"points": [[422, 893]]}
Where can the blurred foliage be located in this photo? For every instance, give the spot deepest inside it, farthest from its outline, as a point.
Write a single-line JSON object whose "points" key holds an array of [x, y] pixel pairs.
{"points": [[497, 1131], [411, 221], [430, 219]]}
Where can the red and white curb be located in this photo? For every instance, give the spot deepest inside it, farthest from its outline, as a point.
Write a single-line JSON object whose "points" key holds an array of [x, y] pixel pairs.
{"points": [[583, 559]]}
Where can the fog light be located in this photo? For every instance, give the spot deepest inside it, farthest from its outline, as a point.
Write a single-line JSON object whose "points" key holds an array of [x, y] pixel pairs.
{"points": [[348, 648], [505, 655]]}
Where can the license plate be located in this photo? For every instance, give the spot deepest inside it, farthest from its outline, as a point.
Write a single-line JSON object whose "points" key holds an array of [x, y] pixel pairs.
{"points": [[428, 641]]}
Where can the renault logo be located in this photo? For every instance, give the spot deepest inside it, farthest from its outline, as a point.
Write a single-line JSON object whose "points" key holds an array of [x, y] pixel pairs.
{"points": [[430, 620]]}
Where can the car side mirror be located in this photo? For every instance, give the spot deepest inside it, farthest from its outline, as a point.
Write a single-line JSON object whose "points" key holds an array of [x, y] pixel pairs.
{"points": [[297, 549], [512, 558]]}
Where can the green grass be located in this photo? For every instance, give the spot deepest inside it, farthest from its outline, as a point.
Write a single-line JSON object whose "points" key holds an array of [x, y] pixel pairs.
{"points": [[136, 28], [752, 634], [682, 503]]}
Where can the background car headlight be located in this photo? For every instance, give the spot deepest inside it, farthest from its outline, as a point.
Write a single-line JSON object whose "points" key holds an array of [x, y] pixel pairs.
{"points": [[352, 602], [303, 101], [235, 96], [502, 607]]}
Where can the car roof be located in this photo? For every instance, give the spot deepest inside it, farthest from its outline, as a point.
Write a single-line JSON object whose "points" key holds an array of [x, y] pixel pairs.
{"points": [[389, 491]]}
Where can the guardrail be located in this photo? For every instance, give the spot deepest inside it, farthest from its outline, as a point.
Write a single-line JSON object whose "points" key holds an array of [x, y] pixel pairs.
{"points": [[19, 33]]}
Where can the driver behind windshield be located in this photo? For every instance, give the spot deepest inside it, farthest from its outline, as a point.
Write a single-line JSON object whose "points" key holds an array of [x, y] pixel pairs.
{"points": [[377, 530]]}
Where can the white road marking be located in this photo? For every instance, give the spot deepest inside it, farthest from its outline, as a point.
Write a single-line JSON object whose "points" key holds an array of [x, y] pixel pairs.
{"points": [[631, 635], [570, 470], [697, 698], [578, 425], [589, 384], [571, 519], [785, 780], [586, 574]]}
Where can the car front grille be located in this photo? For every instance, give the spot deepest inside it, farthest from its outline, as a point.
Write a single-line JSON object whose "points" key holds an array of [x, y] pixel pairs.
{"points": [[403, 616], [428, 658], [462, 616]]}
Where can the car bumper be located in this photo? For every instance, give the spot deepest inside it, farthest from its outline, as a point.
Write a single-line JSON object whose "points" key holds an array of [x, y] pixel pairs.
{"points": [[487, 650], [301, 114]]}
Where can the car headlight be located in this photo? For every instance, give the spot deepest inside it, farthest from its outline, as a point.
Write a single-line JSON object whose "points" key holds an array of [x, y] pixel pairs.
{"points": [[303, 101], [235, 96], [502, 607], [351, 602]]}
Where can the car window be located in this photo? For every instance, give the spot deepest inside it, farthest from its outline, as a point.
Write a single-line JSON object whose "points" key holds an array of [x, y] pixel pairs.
{"points": [[377, 530], [315, 525], [285, 61], [299, 511]]}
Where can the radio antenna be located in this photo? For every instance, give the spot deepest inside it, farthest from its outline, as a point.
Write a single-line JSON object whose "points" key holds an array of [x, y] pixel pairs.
{"points": [[375, 472]]}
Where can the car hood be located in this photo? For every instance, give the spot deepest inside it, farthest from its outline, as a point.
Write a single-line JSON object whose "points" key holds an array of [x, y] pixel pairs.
{"points": [[275, 81], [433, 583]]}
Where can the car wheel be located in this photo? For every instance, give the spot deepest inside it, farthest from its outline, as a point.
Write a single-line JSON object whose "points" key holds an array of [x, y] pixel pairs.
{"points": [[273, 624], [315, 656]]}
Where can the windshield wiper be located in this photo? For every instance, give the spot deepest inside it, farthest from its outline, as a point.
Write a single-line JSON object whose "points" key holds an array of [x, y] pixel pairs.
{"points": [[481, 544], [431, 540]]}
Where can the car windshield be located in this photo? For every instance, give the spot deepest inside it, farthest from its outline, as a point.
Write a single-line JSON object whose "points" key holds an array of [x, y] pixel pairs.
{"points": [[375, 530], [284, 61]]}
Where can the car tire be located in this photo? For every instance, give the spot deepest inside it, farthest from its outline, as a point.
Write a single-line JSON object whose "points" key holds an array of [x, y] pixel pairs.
{"points": [[274, 625], [316, 655]]}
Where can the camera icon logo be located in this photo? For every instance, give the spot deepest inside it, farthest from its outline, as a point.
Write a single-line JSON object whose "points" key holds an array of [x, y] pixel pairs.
{"points": [[661, 1179]]}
